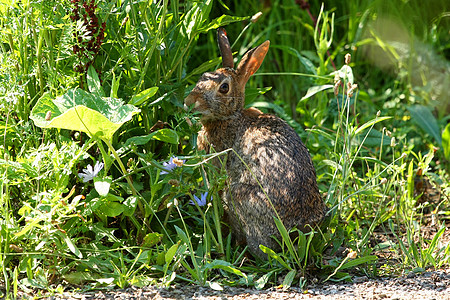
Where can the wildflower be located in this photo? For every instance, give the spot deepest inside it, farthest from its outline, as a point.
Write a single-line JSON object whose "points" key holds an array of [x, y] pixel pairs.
{"points": [[89, 173], [172, 164], [202, 201]]}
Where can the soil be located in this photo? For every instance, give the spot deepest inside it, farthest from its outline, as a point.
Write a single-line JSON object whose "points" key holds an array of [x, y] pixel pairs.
{"points": [[428, 285]]}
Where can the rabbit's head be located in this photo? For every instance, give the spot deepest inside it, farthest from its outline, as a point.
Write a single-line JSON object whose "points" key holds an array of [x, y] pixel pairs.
{"points": [[220, 95]]}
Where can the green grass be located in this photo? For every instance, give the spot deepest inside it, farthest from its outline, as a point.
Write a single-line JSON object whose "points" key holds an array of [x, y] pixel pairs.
{"points": [[381, 152]]}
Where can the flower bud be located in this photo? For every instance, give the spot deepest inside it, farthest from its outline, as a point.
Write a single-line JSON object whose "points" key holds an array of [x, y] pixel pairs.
{"points": [[255, 17], [174, 182], [348, 58], [393, 142]]}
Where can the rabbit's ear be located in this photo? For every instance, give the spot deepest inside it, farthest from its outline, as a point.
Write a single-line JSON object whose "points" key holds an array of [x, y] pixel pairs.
{"points": [[252, 60], [225, 48]]}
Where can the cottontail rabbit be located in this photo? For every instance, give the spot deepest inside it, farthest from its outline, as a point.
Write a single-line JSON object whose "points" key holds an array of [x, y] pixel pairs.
{"points": [[268, 161]]}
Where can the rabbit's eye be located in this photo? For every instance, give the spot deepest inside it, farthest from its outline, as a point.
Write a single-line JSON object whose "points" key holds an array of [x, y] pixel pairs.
{"points": [[224, 88]]}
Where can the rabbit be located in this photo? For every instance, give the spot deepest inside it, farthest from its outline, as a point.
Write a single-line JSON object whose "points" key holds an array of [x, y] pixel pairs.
{"points": [[268, 159]]}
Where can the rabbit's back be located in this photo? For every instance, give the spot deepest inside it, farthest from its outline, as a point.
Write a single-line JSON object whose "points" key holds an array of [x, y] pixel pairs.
{"points": [[269, 161]]}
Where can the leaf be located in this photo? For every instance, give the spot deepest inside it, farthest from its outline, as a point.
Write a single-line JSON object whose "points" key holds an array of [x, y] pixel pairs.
{"points": [[171, 253], [205, 66], [151, 239], [143, 96], [221, 21], [224, 265], [358, 261], [83, 111], [252, 93], [309, 66], [182, 234], [423, 117], [70, 245], [129, 205], [370, 123], [215, 286], [79, 277], [346, 73], [274, 255], [287, 282], [111, 208], [446, 141], [166, 135], [94, 82], [301, 245], [316, 89], [262, 281], [372, 138], [102, 185], [115, 85]]}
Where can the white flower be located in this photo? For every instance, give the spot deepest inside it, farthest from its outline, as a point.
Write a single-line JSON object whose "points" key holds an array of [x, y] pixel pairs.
{"points": [[89, 174]]}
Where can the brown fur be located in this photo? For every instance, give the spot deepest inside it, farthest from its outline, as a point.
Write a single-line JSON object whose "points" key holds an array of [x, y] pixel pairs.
{"points": [[269, 161]]}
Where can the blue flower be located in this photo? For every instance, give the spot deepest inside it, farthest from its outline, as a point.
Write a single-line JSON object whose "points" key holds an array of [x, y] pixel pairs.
{"points": [[89, 173], [173, 163], [202, 201]]}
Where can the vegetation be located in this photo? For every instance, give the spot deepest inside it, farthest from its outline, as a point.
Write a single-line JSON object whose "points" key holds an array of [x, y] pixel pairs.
{"points": [[101, 184]]}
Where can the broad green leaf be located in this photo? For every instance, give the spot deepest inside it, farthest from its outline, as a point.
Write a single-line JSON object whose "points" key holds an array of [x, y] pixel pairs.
{"points": [[102, 185], [111, 208], [83, 111], [93, 82], [151, 239], [316, 89], [446, 141], [262, 281], [129, 205], [287, 282], [166, 135], [423, 117], [171, 253], [143, 96], [182, 234]]}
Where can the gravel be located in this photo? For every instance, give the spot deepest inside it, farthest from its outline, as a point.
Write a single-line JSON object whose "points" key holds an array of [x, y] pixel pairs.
{"points": [[428, 285]]}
